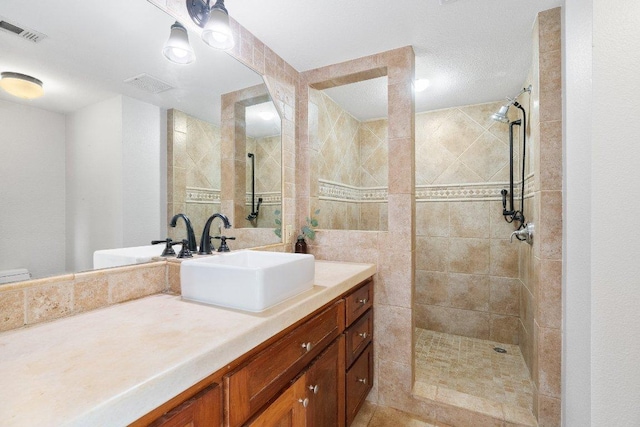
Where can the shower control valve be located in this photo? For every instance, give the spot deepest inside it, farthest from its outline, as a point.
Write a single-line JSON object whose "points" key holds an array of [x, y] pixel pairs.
{"points": [[524, 234]]}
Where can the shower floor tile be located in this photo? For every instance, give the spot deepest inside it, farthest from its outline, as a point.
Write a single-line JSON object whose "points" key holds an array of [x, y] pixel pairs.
{"points": [[471, 366]]}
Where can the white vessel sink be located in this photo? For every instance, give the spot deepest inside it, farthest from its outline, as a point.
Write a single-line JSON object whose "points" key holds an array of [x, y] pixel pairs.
{"points": [[247, 280], [108, 258]]}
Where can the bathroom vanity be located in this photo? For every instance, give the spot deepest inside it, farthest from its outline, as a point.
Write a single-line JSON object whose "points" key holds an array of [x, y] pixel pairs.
{"points": [[317, 372], [161, 360]]}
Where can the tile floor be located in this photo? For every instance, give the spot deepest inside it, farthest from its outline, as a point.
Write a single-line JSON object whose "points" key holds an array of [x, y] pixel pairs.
{"points": [[471, 366], [371, 415]]}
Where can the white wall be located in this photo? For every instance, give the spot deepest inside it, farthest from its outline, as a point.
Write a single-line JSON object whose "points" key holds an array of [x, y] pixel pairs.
{"points": [[602, 302], [32, 196], [141, 181], [94, 182]]}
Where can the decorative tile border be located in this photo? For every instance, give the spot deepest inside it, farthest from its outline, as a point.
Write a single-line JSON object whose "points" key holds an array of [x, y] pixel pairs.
{"points": [[329, 190], [268, 198], [489, 191], [202, 195]]}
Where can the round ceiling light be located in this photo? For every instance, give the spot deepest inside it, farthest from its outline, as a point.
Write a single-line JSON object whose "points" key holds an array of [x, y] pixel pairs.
{"points": [[21, 85]]}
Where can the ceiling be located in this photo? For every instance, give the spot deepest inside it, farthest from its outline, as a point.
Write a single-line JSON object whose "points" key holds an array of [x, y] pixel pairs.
{"points": [[472, 51]]}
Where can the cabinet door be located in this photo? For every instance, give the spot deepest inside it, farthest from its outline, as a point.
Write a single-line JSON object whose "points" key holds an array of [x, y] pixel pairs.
{"points": [[325, 388], [203, 410], [288, 410]]}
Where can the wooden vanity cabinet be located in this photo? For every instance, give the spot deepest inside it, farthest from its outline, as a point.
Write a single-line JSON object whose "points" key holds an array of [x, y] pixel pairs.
{"points": [[202, 410], [316, 373], [315, 399], [359, 348]]}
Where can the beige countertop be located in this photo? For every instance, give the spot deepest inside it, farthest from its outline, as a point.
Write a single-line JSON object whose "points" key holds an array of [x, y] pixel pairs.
{"points": [[110, 366]]}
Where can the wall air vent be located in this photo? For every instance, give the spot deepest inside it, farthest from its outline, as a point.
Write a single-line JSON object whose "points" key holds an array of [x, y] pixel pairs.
{"points": [[20, 31], [148, 83]]}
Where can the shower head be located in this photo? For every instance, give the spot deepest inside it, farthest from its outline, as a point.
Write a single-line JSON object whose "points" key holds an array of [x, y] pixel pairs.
{"points": [[501, 115]]}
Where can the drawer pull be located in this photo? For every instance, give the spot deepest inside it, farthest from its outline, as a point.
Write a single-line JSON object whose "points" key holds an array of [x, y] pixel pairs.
{"points": [[305, 402], [363, 301], [314, 389], [307, 346], [364, 335], [362, 380]]}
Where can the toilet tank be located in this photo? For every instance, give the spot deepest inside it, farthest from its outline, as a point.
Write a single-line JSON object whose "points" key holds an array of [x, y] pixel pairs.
{"points": [[16, 275]]}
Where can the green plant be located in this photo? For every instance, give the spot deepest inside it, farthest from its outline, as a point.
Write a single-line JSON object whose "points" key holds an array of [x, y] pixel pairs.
{"points": [[308, 230], [278, 229]]}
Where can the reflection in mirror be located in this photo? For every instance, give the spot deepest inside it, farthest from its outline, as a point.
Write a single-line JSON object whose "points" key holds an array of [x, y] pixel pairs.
{"points": [[84, 167], [349, 172], [264, 163]]}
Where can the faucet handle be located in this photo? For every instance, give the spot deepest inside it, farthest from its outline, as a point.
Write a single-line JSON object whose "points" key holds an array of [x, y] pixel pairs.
{"points": [[185, 252], [223, 243], [168, 249]]}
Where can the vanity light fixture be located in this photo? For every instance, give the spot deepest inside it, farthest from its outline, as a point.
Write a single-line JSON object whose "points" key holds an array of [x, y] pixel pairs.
{"points": [[215, 23], [21, 85], [177, 48]]}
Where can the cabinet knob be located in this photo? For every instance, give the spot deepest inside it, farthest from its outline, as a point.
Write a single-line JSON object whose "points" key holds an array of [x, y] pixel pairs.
{"points": [[364, 335], [362, 380], [305, 402], [314, 389], [363, 301], [307, 346]]}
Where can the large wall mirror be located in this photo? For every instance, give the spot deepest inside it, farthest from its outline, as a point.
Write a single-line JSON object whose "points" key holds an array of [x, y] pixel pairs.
{"points": [[349, 155], [87, 166]]}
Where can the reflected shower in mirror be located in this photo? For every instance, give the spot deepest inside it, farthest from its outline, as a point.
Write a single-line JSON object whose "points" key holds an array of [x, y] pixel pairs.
{"points": [[349, 149], [264, 163], [85, 166]]}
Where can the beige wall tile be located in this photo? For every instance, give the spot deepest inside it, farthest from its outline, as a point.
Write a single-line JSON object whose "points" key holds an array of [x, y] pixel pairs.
{"points": [[394, 333], [432, 253], [468, 291], [504, 296], [432, 219], [91, 291], [135, 283], [504, 329], [550, 29], [469, 219], [469, 256], [431, 288], [550, 225], [549, 361], [550, 176], [395, 279], [504, 258], [550, 294], [486, 156], [49, 302], [12, 309], [549, 411], [468, 323]]}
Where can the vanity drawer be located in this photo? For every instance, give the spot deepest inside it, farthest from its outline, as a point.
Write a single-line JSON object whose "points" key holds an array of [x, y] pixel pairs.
{"points": [[359, 301], [358, 336], [359, 382], [258, 381]]}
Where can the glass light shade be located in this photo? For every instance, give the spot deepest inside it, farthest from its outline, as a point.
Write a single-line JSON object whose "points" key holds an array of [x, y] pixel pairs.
{"points": [[21, 85], [501, 115], [177, 48], [217, 32]]}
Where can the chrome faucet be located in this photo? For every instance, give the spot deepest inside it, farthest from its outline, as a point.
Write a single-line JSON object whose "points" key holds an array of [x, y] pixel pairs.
{"points": [[205, 240], [191, 236], [524, 234]]}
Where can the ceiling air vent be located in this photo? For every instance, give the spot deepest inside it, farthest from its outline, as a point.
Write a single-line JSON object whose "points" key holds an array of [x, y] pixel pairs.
{"points": [[20, 31], [148, 83]]}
